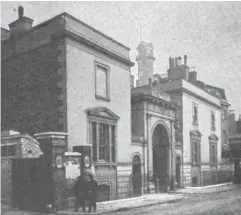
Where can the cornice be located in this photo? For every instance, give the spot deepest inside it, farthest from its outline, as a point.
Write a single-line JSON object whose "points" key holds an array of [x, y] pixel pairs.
{"points": [[78, 38], [195, 95]]}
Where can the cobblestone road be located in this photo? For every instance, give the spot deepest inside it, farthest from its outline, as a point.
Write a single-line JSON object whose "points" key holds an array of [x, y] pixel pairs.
{"points": [[224, 203]]}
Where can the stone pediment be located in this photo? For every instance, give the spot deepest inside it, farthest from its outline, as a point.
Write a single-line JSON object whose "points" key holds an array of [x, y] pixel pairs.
{"points": [[213, 137], [195, 133], [102, 112]]}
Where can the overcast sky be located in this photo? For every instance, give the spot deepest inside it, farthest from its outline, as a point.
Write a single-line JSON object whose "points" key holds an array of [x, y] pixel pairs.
{"points": [[208, 32]]}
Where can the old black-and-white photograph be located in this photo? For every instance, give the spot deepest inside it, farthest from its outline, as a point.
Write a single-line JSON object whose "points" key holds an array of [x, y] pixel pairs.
{"points": [[120, 108]]}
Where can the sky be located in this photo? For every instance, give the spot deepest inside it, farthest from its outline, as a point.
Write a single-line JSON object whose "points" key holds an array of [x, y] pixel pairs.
{"points": [[208, 32]]}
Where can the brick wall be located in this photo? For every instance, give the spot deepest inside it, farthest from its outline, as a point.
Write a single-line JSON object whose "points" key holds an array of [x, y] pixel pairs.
{"points": [[29, 90]]}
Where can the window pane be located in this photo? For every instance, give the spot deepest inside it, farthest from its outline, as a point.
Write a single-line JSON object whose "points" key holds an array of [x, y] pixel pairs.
{"points": [[4, 151], [11, 150], [107, 142], [94, 143], [101, 142], [104, 142], [101, 81], [113, 143]]}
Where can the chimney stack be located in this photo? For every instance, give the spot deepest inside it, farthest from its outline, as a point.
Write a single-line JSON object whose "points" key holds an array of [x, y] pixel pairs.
{"points": [[22, 24], [170, 62], [185, 59], [179, 61], [176, 62]]}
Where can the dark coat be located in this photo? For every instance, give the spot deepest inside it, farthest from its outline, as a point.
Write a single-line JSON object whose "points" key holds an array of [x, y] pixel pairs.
{"points": [[81, 187], [93, 186]]}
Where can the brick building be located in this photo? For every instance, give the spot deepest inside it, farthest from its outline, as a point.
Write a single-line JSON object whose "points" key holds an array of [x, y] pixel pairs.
{"points": [[64, 76]]}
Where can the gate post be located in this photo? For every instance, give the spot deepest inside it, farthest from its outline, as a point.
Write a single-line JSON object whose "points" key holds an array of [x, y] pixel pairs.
{"points": [[54, 146]]}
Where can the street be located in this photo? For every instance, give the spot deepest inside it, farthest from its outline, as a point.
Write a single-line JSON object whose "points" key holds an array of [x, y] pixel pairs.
{"points": [[223, 203]]}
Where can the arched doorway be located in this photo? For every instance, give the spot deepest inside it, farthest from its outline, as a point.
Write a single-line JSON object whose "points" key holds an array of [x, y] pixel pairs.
{"points": [[160, 143], [178, 171], [136, 176]]}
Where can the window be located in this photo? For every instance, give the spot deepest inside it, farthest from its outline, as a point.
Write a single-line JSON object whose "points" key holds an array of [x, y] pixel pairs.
{"points": [[103, 142], [195, 114], [101, 82], [94, 141], [8, 150], [213, 127], [225, 137], [224, 115], [213, 153], [196, 153]]}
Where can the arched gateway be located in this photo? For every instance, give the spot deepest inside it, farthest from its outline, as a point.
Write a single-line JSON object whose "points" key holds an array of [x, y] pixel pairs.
{"points": [[160, 147]]}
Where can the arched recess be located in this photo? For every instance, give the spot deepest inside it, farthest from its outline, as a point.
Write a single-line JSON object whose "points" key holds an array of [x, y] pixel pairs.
{"points": [[136, 175], [160, 153]]}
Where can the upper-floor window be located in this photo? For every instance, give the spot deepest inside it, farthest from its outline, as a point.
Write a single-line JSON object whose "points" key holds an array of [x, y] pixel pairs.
{"points": [[102, 81], [213, 126], [225, 137], [224, 115], [195, 114]]}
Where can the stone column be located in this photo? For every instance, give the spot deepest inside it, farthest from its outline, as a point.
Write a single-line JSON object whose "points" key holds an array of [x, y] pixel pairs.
{"points": [[54, 145], [173, 157]]}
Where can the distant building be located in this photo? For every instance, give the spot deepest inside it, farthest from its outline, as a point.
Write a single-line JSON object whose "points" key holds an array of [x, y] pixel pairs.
{"points": [[202, 131], [235, 145]]}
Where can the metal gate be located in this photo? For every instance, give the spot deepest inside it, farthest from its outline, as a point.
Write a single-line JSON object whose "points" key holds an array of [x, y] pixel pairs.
{"points": [[32, 184]]}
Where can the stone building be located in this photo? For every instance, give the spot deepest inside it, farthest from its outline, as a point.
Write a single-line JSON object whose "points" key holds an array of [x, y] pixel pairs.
{"points": [[153, 115], [235, 145], [65, 76], [201, 133]]}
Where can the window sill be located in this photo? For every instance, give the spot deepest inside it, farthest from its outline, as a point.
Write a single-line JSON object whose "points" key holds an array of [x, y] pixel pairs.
{"points": [[102, 98]]}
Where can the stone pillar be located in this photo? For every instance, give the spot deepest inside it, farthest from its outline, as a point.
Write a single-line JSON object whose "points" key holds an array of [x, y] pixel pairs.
{"points": [[54, 145], [173, 158]]}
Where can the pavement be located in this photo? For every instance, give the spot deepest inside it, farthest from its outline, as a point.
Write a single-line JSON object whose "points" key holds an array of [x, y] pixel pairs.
{"points": [[122, 205]]}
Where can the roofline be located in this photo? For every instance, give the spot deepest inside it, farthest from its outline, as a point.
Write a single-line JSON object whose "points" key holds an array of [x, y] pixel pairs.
{"points": [[81, 22], [97, 31]]}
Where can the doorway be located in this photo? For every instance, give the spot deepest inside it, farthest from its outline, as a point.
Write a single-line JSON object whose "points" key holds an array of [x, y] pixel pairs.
{"points": [[136, 176], [160, 147]]}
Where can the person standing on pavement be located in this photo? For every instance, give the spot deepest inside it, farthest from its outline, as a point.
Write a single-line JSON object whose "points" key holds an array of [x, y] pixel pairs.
{"points": [[81, 190], [93, 186]]}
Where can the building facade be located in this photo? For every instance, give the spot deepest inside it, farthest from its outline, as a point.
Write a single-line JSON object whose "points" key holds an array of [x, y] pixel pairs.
{"points": [[64, 76], [201, 132]]}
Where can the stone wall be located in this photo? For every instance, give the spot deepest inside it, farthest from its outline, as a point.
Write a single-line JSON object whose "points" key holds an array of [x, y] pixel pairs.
{"points": [[6, 181]]}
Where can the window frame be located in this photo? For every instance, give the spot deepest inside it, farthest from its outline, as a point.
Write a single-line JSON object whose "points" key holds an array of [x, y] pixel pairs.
{"points": [[213, 158], [213, 121], [196, 142], [109, 123], [107, 68], [194, 121]]}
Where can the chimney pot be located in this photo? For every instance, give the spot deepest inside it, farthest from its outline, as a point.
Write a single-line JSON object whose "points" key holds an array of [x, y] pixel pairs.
{"points": [[179, 61]]}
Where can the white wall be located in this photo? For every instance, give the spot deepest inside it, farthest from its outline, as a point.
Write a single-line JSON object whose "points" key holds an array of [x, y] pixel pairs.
{"points": [[81, 95], [204, 126]]}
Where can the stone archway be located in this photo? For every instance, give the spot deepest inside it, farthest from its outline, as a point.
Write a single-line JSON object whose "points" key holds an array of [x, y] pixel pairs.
{"points": [[136, 176], [160, 152]]}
